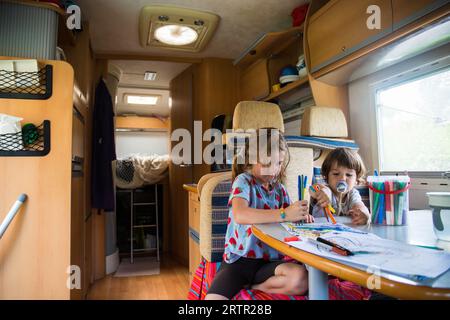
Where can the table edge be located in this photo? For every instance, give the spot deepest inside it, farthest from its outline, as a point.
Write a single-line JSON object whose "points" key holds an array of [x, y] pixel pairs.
{"points": [[388, 287]]}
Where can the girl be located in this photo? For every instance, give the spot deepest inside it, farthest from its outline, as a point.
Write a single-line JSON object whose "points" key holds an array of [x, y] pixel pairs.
{"points": [[342, 168], [258, 196]]}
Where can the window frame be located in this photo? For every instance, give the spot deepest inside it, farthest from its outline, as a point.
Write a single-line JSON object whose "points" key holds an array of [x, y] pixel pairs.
{"points": [[421, 72]]}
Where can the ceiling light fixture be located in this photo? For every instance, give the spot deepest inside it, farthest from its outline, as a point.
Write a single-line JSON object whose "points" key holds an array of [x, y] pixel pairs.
{"points": [[175, 28], [150, 75], [142, 99], [176, 35]]}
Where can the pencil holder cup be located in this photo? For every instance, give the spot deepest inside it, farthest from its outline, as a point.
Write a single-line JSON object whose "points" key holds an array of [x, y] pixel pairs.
{"points": [[389, 199]]}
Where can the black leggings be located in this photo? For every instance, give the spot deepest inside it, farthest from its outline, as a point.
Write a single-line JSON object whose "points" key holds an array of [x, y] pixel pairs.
{"points": [[245, 272]]}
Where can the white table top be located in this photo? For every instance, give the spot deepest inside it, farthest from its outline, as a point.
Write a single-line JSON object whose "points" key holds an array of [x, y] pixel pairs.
{"points": [[418, 231]]}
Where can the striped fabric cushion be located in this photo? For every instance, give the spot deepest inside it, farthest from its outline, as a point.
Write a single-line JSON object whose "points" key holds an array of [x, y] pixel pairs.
{"points": [[219, 213], [320, 143]]}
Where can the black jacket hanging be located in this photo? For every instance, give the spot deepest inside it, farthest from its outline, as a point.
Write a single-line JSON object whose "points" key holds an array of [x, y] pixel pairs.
{"points": [[103, 149]]}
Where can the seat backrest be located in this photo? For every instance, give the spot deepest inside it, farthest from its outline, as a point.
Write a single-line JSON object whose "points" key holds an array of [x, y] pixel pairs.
{"points": [[324, 122], [256, 115], [214, 195], [300, 163]]}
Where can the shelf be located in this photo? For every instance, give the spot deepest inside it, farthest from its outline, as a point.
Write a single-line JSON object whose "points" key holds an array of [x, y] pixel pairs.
{"points": [[27, 85], [140, 216], [268, 45], [144, 250], [145, 226], [13, 144], [287, 88]]}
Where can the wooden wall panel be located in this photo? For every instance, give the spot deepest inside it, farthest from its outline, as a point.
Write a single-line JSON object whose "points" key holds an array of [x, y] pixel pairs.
{"points": [[330, 96], [79, 54], [181, 89], [77, 234], [141, 123], [35, 251], [216, 85], [255, 83], [199, 94], [404, 9]]}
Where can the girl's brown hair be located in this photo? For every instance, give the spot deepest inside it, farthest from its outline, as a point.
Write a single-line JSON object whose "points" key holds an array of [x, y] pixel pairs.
{"points": [[344, 158], [241, 161]]}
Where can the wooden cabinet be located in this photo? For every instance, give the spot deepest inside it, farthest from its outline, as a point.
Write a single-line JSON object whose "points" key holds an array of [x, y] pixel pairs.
{"points": [[194, 211], [340, 28], [277, 50], [338, 34], [77, 232], [194, 256], [255, 84], [216, 91], [407, 11], [35, 251], [80, 55], [78, 202], [261, 64], [194, 231]]}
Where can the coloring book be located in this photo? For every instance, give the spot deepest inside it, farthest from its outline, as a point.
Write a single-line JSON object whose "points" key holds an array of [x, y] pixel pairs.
{"points": [[371, 251]]}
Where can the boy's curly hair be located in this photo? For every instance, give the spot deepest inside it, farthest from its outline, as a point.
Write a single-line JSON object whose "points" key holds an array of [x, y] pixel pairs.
{"points": [[344, 158]]}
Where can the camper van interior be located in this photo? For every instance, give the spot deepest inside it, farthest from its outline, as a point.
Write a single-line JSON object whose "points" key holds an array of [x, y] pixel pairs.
{"points": [[128, 131]]}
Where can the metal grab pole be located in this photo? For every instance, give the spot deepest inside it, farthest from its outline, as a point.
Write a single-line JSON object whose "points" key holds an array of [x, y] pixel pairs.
{"points": [[12, 213]]}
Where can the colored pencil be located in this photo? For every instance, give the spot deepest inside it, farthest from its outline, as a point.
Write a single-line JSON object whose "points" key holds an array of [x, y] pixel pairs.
{"points": [[299, 187], [381, 216], [388, 204], [315, 188], [305, 181], [375, 203], [391, 197], [396, 203], [327, 209]]}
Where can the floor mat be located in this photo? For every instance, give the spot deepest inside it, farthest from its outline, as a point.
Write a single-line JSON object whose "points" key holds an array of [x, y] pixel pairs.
{"points": [[139, 267]]}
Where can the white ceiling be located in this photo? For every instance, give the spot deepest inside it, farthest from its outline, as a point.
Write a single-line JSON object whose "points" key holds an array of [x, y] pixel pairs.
{"points": [[114, 28], [132, 81], [133, 72], [114, 24]]}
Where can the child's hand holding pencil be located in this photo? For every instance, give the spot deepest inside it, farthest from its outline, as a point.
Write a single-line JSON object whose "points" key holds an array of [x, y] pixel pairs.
{"points": [[299, 211], [324, 201], [320, 196]]}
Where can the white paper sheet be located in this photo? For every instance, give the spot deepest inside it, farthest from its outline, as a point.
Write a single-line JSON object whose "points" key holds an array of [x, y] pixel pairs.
{"points": [[375, 253]]}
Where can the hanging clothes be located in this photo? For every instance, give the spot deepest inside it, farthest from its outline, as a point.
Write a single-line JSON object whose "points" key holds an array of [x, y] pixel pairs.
{"points": [[103, 149]]}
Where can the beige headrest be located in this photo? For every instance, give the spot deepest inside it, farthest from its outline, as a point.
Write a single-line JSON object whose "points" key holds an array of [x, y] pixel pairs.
{"points": [[256, 115], [324, 122]]}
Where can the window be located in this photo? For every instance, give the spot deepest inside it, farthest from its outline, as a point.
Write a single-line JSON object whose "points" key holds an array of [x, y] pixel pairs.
{"points": [[413, 121]]}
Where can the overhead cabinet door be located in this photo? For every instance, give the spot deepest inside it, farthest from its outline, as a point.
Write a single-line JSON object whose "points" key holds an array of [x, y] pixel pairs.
{"points": [[342, 27], [407, 11]]}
